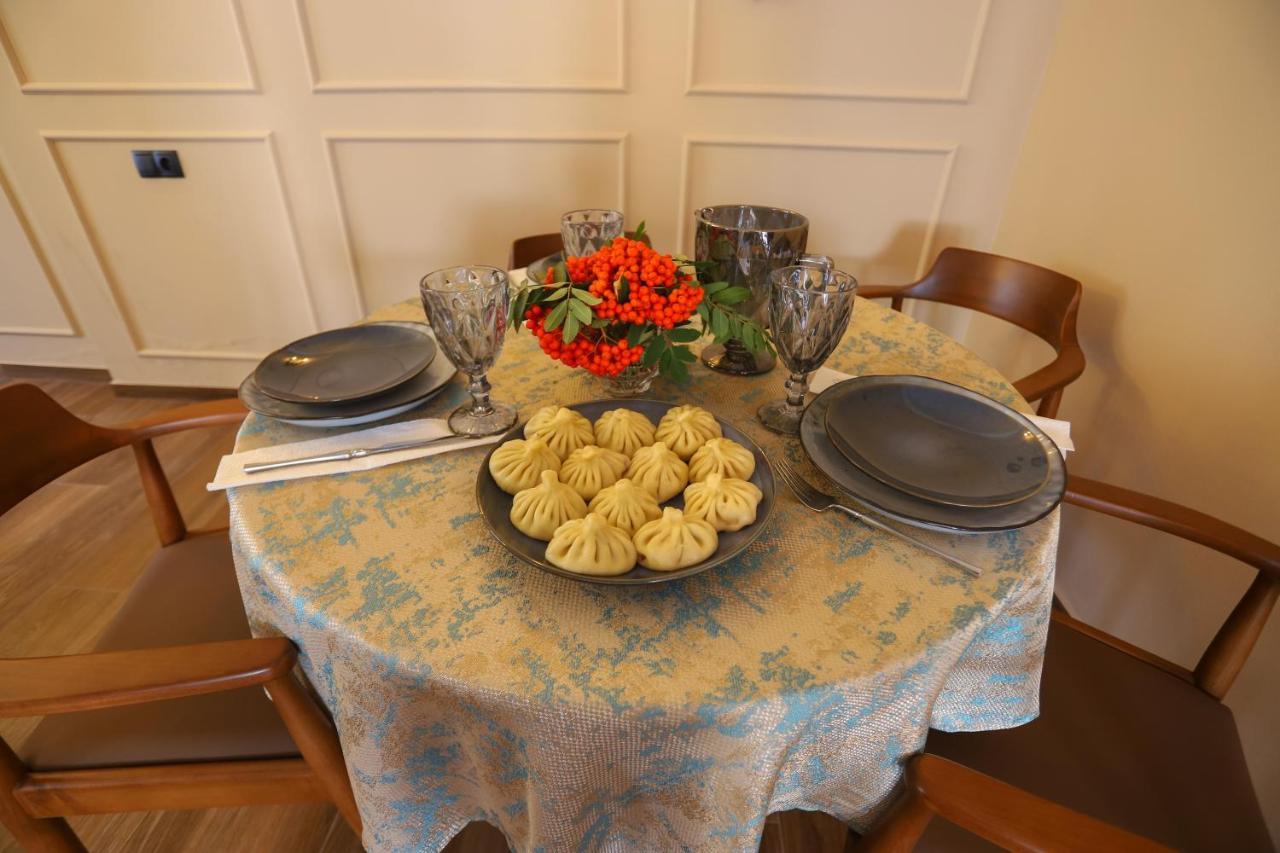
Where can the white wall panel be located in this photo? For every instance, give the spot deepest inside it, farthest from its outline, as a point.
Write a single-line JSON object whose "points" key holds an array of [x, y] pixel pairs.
{"points": [[567, 45], [416, 203], [902, 49], [202, 267], [126, 45], [873, 208], [29, 303]]}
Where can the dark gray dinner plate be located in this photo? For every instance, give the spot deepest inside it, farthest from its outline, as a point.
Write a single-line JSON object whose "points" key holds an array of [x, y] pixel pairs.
{"points": [[537, 271], [403, 397], [909, 509], [345, 364], [495, 505], [936, 440]]}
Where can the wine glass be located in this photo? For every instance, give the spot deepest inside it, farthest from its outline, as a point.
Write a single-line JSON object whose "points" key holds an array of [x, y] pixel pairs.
{"points": [[467, 309], [809, 310], [585, 231]]}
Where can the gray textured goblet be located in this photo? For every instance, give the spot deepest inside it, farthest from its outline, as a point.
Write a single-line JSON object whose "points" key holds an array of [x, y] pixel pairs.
{"points": [[587, 230], [467, 309], [809, 310], [745, 243]]}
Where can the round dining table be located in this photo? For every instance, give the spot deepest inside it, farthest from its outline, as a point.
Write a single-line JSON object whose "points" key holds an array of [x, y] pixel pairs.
{"points": [[801, 674]]}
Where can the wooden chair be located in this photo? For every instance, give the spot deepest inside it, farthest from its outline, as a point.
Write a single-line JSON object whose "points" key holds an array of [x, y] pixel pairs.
{"points": [[526, 250], [1039, 300], [1127, 736], [986, 807], [168, 711]]}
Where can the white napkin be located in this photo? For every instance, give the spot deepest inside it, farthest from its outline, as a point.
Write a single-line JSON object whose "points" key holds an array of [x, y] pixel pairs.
{"points": [[231, 468], [1058, 431]]}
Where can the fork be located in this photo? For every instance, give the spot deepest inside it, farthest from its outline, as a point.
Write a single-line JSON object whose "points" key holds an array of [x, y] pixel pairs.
{"points": [[819, 501]]}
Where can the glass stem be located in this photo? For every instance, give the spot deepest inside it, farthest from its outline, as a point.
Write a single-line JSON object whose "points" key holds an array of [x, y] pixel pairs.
{"points": [[480, 389], [797, 386]]}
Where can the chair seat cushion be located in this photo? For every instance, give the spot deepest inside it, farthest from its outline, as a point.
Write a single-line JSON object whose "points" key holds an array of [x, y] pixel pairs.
{"points": [[187, 593], [1125, 742]]}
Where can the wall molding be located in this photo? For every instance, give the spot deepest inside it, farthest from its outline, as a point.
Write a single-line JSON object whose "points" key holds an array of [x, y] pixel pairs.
{"points": [[114, 291], [72, 329], [320, 85], [946, 149], [958, 95], [71, 87], [620, 139]]}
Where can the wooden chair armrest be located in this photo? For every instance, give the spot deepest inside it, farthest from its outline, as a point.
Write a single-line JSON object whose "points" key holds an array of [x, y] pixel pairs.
{"points": [[1059, 373], [209, 413], [1001, 813], [881, 291], [32, 687], [1179, 520]]}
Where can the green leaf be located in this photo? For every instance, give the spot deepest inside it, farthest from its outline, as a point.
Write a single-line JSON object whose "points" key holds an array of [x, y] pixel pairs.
{"points": [[705, 313], [731, 295], [588, 298], [640, 230], [714, 287], [750, 337], [623, 289], [556, 317], [664, 363], [684, 354], [653, 352], [719, 324], [570, 328], [634, 334], [516, 314], [684, 335], [600, 322], [557, 293], [579, 311], [677, 371], [561, 272]]}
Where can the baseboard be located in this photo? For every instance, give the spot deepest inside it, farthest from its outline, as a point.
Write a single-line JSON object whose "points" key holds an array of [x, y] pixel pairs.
{"points": [[31, 371]]}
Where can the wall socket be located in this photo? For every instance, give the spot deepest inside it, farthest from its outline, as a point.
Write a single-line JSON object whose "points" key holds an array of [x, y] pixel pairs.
{"points": [[157, 164]]}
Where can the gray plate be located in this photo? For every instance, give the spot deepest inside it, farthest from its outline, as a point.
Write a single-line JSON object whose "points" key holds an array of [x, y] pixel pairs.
{"points": [[401, 398], [936, 440], [495, 505], [345, 364], [537, 271], [887, 500]]}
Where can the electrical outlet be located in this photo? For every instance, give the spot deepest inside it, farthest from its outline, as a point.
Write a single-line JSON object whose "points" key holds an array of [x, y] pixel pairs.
{"points": [[157, 164]]}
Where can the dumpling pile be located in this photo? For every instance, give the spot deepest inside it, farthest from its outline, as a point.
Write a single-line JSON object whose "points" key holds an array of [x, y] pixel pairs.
{"points": [[595, 492]]}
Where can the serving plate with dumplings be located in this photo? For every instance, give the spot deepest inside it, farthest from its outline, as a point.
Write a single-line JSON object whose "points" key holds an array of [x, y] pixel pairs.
{"points": [[625, 492]]}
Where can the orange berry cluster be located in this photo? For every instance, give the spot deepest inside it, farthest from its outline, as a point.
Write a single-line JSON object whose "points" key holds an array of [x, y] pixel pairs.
{"points": [[657, 295], [601, 357]]}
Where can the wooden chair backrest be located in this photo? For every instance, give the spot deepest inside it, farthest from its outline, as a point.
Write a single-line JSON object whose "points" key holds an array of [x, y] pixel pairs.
{"points": [[1037, 299], [1231, 646], [526, 250], [41, 441]]}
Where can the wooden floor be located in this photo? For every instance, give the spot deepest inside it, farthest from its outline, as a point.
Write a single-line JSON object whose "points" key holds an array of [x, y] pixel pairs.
{"points": [[69, 554]]}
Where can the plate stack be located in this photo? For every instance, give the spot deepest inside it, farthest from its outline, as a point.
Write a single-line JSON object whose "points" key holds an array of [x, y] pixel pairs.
{"points": [[349, 376], [933, 455]]}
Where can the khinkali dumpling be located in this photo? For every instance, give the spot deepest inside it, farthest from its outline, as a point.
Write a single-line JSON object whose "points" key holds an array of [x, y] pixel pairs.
{"points": [[726, 503], [721, 456], [564, 430], [591, 546], [675, 541], [659, 471], [626, 506], [515, 465], [624, 430], [589, 469], [686, 428], [538, 511]]}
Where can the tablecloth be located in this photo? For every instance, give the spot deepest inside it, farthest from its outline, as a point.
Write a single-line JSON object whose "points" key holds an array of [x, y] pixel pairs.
{"points": [[467, 685]]}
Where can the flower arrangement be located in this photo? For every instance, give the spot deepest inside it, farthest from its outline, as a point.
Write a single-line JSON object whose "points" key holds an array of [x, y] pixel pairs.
{"points": [[629, 304]]}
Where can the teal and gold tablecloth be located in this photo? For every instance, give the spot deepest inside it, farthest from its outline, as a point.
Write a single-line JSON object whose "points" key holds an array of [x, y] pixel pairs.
{"points": [[467, 685]]}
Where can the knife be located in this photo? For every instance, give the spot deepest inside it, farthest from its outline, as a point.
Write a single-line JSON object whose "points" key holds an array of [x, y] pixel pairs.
{"points": [[344, 455]]}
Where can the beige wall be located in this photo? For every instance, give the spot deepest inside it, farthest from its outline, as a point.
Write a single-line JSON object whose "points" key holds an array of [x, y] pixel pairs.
{"points": [[336, 151], [1151, 171]]}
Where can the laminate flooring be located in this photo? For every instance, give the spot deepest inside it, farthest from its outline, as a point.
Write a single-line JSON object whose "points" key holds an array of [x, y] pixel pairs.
{"points": [[68, 556]]}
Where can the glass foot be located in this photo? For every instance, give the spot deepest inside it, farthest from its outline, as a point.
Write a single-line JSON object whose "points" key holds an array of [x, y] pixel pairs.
{"points": [[465, 420], [733, 357], [781, 417]]}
